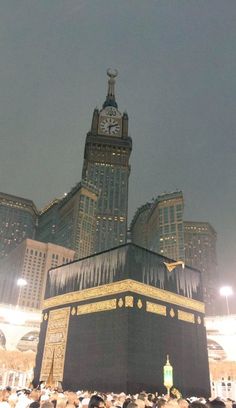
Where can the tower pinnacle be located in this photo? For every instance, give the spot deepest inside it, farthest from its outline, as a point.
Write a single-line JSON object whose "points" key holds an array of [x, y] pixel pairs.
{"points": [[110, 99]]}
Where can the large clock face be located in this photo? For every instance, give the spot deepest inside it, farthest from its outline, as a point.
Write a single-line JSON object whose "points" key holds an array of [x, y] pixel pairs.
{"points": [[110, 126]]}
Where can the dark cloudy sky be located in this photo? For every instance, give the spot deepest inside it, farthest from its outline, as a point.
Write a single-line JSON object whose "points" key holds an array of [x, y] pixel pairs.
{"points": [[177, 80]]}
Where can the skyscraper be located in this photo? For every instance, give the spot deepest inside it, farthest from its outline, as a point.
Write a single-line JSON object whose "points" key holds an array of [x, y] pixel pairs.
{"points": [[200, 252], [18, 217], [77, 219], [30, 261], [71, 220], [139, 232], [106, 165], [158, 225], [47, 222], [168, 213]]}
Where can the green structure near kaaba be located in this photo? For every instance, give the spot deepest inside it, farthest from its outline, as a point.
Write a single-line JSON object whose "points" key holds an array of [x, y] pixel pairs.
{"points": [[110, 320]]}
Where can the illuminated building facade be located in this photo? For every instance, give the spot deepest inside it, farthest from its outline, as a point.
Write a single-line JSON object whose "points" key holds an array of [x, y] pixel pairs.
{"points": [[200, 252], [71, 220], [158, 226], [166, 229], [77, 219], [18, 217], [106, 165], [139, 225], [47, 222], [30, 261]]}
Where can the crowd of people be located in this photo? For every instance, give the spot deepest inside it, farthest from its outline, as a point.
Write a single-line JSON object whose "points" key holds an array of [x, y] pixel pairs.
{"points": [[54, 398]]}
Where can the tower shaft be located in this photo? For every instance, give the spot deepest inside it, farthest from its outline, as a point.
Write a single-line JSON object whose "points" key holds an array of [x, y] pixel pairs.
{"points": [[106, 166]]}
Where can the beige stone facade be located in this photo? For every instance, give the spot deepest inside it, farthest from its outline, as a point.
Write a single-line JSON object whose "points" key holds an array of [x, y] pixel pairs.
{"points": [[30, 261]]}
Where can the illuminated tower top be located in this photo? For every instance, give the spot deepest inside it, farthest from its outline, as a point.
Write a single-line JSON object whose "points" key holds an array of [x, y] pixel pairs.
{"points": [[106, 166]]}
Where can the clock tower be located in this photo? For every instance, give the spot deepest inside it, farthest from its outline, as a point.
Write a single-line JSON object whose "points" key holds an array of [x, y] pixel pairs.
{"points": [[106, 165]]}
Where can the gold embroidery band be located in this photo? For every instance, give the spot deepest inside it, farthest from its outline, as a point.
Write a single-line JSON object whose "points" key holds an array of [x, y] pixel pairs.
{"points": [[129, 301], [186, 317], [97, 307], [127, 285], [155, 308]]}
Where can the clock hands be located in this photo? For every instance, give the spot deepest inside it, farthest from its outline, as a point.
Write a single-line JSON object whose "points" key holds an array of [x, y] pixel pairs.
{"points": [[114, 124], [111, 126]]}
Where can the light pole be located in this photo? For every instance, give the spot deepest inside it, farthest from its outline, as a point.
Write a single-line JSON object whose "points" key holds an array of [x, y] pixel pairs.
{"points": [[226, 291], [21, 283]]}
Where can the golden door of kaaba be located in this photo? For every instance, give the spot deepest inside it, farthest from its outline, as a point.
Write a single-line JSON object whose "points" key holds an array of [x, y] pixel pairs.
{"points": [[55, 346]]}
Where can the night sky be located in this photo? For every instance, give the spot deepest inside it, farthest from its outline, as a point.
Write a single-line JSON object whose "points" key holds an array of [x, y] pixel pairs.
{"points": [[177, 80]]}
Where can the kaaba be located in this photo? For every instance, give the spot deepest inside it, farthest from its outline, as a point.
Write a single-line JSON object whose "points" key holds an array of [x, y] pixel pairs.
{"points": [[110, 320]]}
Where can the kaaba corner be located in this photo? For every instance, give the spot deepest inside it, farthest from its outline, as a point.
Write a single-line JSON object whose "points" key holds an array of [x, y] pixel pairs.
{"points": [[110, 320]]}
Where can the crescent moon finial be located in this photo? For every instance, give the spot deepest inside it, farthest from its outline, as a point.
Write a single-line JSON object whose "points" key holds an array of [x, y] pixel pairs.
{"points": [[112, 73], [110, 99]]}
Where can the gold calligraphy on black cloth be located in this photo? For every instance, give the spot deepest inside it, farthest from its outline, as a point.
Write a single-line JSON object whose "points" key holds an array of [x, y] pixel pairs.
{"points": [[127, 285]]}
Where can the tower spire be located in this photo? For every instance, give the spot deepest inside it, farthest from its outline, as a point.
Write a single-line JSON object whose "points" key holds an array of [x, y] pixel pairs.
{"points": [[110, 99]]}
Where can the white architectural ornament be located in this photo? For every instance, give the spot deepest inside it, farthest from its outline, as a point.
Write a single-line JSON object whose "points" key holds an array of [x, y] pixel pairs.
{"points": [[16, 323]]}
